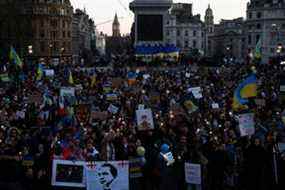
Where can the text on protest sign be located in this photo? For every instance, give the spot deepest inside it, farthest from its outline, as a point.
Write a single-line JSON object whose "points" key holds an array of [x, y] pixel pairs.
{"points": [[193, 173]]}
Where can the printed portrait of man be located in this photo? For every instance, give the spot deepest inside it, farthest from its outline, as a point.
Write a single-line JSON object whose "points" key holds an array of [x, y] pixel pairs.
{"points": [[106, 175]]}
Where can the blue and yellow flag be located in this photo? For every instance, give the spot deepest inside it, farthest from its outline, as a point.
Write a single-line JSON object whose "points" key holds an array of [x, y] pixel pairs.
{"points": [[14, 57], [70, 78], [245, 90], [40, 72]]}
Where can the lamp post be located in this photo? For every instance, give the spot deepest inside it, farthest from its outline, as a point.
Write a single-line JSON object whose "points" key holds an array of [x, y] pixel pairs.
{"points": [[30, 53], [50, 53], [61, 54]]}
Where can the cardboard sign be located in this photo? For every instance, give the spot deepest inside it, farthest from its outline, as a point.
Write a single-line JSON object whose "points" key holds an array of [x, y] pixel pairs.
{"points": [[193, 173], [68, 173], [246, 124], [99, 115], [144, 119], [107, 175], [196, 91]]}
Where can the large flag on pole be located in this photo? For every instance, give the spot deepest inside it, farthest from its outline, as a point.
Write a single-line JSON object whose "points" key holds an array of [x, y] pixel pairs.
{"points": [[258, 47], [245, 90], [40, 72], [14, 57]]}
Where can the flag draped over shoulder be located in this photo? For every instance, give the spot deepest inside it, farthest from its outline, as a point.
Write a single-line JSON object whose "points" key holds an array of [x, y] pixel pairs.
{"points": [[246, 89], [14, 57], [257, 53]]}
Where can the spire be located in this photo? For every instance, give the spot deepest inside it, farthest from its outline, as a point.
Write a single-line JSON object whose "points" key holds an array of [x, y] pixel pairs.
{"points": [[116, 20], [116, 27]]}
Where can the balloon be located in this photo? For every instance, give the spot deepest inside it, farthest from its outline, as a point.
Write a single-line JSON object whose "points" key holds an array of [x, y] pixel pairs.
{"points": [[164, 148], [141, 151]]}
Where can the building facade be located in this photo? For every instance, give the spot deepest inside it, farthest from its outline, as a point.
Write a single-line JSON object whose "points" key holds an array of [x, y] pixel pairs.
{"points": [[183, 29], [45, 26], [266, 22], [228, 40], [101, 43], [83, 36]]}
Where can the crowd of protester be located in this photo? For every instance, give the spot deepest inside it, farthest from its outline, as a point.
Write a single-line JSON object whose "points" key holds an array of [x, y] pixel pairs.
{"points": [[37, 126]]}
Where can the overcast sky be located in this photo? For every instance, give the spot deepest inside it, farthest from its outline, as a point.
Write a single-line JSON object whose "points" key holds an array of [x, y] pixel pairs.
{"points": [[104, 10]]}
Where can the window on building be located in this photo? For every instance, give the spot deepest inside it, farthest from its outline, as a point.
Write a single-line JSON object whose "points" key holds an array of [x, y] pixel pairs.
{"points": [[194, 33], [250, 15], [186, 33], [258, 26], [42, 33], [42, 46], [42, 23], [63, 34], [167, 33], [178, 33], [257, 37], [249, 39], [178, 43], [194, 44], [186, 44], [259, 15]]}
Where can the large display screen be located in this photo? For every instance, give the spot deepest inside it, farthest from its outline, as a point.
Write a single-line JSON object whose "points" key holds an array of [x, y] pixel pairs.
{"points": [[150, 27]]}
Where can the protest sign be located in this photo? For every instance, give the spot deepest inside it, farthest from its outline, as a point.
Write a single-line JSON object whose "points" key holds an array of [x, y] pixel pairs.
{"points": [[68, 173], [196, 91], [107, 175], [246, 124], [67, 91], [112, 97], [49, 72], [144, 119], [99, 115], [135, 168], [215, 106], [168, 157], [113, 109], [193, 173]]}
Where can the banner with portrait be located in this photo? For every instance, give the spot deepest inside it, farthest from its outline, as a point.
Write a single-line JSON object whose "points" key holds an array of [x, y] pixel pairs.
{"points": [[107, 175], [68, 173], [246, 124], [144, 119]]}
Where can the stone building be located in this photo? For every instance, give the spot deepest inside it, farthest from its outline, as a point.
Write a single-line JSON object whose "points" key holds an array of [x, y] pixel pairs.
{"points": [[44, 25], [228, 40], [183, 29], [83, 35], [265, 21]]}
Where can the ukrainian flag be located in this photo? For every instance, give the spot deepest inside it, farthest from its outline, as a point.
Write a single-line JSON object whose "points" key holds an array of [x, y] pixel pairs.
{"points": [[245, 90], [40, 72], [14, 57]]}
